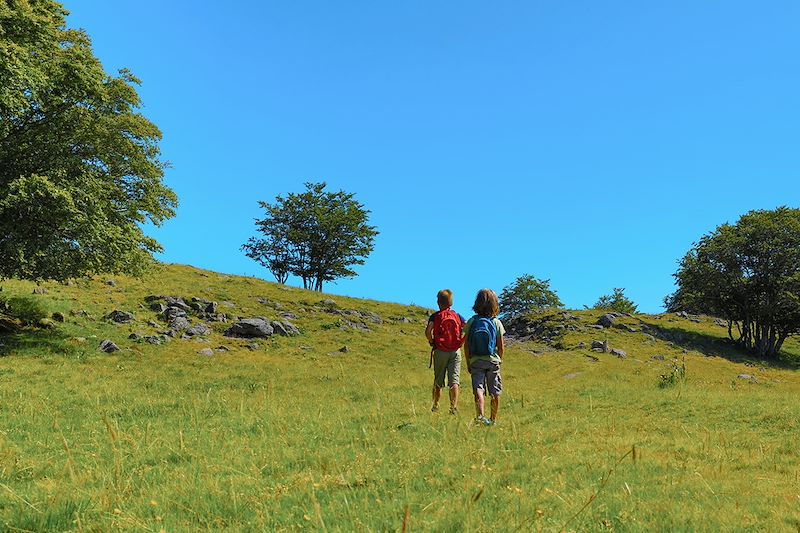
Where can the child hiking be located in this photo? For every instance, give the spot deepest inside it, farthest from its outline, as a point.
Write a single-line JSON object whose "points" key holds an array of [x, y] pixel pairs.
{"points": [[444, 334], [484, 349]]}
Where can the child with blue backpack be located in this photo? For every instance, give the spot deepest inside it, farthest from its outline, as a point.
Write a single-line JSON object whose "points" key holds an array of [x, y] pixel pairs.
{"points": [[483, 351]]}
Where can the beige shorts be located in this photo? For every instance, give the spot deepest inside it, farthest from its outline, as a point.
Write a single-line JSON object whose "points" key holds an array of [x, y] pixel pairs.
{"points": [[446, 363]]}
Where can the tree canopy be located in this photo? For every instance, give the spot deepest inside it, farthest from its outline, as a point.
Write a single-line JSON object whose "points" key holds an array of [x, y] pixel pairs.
{"points": [[80, 167], [316, 235], [616, 301], [749, 274], [528, 294]]}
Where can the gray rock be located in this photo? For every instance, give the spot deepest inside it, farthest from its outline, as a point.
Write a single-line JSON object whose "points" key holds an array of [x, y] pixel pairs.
{"points": [[746, 377], [152, 340], [134, 336], [222, 348], [229, 305], [348, 325], [572, 376], [40, 290], [253, 346], [581, 345], [250, 328], [600, 345], [285, 328], [206, 352], [594, 326], [344, 349], [179, 323], [658, 358], [172, 313], [200, 330], [107, 346], [177, 302], [211, 308], [120, 317], [111, 283], [607, 321], [152, 298], [58, 317], [619, 353], [158, 307], [328, 302]]}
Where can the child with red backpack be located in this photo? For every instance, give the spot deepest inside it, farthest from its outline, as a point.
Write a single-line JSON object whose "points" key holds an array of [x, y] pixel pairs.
{"points": [[484, 348], [444, 335]]}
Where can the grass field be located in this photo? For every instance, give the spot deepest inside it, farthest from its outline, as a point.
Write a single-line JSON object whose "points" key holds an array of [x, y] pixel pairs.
{"points": [[298, 435]]}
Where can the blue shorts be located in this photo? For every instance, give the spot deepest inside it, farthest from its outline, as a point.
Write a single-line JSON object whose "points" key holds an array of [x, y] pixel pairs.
{"points": [[486, 375]]}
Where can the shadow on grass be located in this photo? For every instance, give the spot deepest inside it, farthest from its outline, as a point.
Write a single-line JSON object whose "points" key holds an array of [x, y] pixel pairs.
{"points": [[724, 347], [34, 342]]}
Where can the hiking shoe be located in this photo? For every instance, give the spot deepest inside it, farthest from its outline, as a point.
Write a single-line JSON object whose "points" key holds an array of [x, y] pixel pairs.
{"points": [[454, 410], [482, 421]]}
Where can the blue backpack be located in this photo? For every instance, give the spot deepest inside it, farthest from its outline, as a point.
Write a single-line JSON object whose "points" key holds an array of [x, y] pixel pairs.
{"points": [[482, 336]]}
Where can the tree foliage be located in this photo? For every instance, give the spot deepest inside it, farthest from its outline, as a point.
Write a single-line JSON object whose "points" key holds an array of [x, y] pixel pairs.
{"points": [[616, 301], [79, 165], [749, 274], [528, 294], [316, 235]]}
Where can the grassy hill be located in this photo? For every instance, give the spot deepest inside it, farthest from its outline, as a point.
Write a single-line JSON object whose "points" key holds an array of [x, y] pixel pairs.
{"points": [[298, 433]]}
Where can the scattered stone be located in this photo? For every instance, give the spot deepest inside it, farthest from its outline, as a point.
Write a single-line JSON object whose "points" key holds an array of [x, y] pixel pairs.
{"points": [[177, 302], [108, 346], [206, 352], [253, 346], [658, 358], [250, 328], [58, 317], [682, 314], [152, 298], [152, 324], [581, 345], [111, 283], [600, 345], [594, 326], [572, 376], [619, 353], [262, 301], [46, 323], [348, 325], [328, 302], [158, 307], [134, 336], [40, 290], [152, 340], [747, 377], [172, 313], [285, 328], [649, 337], [179, 323], [120, 317], [607, 321], [222, 348], [404, 320], [344, 349], [229, 305], [199, 330], [372, 317]]}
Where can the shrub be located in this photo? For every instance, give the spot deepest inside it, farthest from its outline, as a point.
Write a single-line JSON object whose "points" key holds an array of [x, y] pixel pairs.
{"points": [[616, 302], [528, 294], [28, 309]]}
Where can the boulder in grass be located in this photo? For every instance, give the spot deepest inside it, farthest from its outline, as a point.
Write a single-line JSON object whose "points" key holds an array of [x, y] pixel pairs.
{"points": [[206, 352], [120, 317], [107, 346], [198, 330], [251, 328], [619, 353], [179, 323], [177, 302], [285, 328], [172, 313], [607, 321]]}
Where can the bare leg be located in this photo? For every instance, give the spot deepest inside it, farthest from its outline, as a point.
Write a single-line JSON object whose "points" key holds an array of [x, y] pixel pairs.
{"points": [[453, 398], [437, 393], [479, 403], [495, 407]]}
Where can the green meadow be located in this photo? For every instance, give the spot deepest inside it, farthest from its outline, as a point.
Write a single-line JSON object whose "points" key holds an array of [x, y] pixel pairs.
{"points": [[298, 434]]}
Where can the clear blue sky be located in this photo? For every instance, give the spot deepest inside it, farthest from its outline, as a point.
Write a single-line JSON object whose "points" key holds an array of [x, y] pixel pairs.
{"points": [[585, 142]]}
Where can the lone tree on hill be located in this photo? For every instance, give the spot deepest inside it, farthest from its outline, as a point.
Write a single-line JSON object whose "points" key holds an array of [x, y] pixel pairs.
{"points": [[617, 301], [749, 274], [79, 165], [528, 294], [316, 235]]}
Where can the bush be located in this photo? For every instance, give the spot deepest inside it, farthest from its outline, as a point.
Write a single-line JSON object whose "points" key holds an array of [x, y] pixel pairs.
{"points": [[615, 302], [675, 375], [528, 294], [27, 309]]}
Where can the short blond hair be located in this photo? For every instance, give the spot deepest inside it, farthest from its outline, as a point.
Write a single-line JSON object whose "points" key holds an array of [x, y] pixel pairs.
{"points": [[444, 298]]}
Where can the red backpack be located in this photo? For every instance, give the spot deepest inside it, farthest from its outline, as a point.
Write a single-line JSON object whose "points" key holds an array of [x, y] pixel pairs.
{"points": [[447, 331]]}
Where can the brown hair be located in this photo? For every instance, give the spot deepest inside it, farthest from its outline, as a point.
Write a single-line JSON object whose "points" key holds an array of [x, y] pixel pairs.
{"points": [[486, 304], [444, 298]]}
